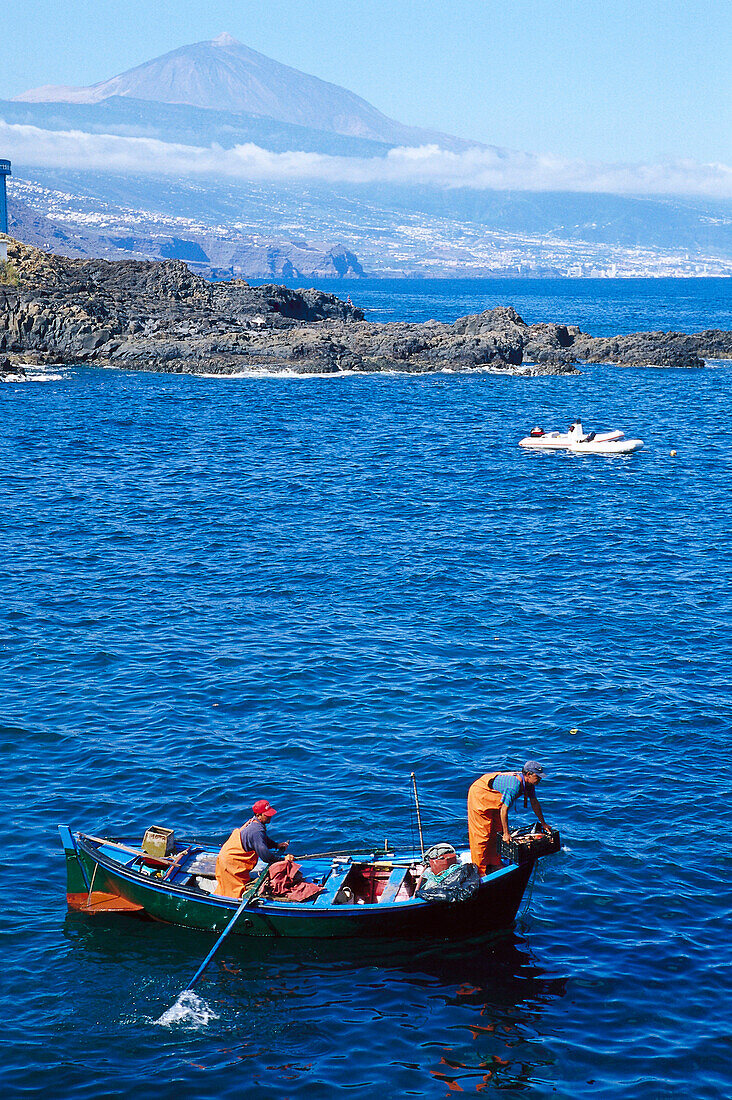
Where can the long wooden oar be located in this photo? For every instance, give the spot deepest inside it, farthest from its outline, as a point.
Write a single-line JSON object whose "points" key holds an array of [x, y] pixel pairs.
{"points": [[247, 901]]}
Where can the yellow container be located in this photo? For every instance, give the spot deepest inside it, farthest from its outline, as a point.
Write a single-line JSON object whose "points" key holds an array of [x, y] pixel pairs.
{"points": [[158, 842]]}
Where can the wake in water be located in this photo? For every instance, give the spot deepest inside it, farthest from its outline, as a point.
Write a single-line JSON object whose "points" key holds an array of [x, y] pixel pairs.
{"points": [[189, 1010]]}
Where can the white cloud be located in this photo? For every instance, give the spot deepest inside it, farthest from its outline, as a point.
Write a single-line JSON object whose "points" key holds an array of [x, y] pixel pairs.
{"points": [[481, 169]]}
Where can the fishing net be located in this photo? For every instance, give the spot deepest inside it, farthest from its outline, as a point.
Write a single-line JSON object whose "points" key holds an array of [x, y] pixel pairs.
{"points": [[456, 883]]}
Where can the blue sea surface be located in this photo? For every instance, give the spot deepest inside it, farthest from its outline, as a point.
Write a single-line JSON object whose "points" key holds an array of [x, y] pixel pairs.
{"points": [[601, 307], [303, 589]]}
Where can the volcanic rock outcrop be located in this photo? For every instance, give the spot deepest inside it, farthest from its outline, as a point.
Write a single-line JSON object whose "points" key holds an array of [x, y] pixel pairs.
{"points": [[149, 315]]}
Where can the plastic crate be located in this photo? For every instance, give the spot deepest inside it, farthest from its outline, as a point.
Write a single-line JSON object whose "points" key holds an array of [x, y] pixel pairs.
{"points": [[526, 845]]}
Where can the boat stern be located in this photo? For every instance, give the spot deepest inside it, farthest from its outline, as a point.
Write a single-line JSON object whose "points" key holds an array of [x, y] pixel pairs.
{"points": [[80, 893], [76, 883]]}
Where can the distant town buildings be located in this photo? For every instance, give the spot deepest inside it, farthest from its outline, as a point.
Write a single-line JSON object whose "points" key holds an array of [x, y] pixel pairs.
{"points": [[276, 236]]}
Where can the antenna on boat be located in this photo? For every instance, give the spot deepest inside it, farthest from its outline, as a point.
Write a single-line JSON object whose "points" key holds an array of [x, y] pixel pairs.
{"points": [[419, 816]]}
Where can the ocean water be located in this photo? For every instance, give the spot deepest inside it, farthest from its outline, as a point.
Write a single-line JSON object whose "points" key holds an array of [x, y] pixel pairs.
{"points": [[303, 589], [601, 307]]}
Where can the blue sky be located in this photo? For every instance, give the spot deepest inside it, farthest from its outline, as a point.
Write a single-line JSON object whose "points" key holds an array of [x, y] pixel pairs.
{"points": [[610, 81]]}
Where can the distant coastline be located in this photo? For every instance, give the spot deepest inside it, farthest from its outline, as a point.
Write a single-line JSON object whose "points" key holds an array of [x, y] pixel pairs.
{"points": [[308, 233]]}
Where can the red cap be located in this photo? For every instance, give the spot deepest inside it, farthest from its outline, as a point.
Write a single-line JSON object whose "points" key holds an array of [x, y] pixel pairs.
{"points": [[263, 807]]}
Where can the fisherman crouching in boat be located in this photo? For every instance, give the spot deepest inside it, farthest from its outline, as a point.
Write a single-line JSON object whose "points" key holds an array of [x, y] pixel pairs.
{"points": [[243, 850], [489, 800]]}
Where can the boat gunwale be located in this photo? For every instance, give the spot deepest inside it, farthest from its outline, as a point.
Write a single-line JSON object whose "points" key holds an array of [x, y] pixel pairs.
{"points": [[91, 849]]}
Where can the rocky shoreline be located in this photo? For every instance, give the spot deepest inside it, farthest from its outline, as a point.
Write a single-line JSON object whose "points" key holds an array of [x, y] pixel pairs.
{"points": [[148, 315]]}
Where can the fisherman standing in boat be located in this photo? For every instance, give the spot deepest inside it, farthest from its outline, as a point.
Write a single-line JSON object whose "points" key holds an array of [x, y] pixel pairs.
{"points": [[243, 850], [489, 800]]}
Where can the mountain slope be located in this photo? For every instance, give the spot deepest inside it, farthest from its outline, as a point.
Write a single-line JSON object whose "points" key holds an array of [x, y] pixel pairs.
{"points": [[245, 228], [225, 75], [177, 122]]}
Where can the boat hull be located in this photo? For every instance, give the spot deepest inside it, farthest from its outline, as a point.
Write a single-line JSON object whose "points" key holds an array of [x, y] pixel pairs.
{"points": [[604, 443], [622, 447], [93, 878]]}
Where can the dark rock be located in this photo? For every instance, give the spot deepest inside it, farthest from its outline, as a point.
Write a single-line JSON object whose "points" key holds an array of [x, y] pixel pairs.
{"points": [[645, 349], [161, 316], [714, 344], [11, 371]]}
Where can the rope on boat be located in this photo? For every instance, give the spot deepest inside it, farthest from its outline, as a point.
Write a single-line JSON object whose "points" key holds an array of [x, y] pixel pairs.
{"points": [[91, 888], [529, 891]]}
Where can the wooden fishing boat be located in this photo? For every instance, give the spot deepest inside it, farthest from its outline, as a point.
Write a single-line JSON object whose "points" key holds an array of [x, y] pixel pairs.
{"points": [[374, 896]]}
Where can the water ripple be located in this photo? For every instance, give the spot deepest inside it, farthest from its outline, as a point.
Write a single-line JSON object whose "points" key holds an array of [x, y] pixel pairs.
{"points": [[216, 592]]}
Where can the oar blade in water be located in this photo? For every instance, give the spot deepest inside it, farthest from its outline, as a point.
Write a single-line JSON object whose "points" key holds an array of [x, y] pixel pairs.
{"points": [[189, 1010]]}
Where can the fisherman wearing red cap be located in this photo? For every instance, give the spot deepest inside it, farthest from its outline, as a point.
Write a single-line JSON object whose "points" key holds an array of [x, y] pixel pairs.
{"points": [[244, 848]]}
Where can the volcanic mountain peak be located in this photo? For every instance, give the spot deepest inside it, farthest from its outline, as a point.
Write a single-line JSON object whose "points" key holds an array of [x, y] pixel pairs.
{"points": [[225, 40], [226, 75]]}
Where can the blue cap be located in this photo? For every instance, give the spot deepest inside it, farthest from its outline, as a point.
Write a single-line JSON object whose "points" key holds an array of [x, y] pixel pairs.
{"points": [[532, 768]]}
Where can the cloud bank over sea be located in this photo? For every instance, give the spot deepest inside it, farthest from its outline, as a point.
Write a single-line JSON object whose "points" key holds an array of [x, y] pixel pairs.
{"points": [[477, 168]]}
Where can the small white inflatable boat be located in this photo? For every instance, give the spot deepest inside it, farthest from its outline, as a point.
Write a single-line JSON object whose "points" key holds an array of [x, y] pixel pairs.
{"points": [[597, 443]]}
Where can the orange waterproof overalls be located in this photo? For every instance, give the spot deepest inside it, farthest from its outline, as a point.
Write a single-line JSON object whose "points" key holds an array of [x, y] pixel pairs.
{"points": [[233, 867], [484, 822]]}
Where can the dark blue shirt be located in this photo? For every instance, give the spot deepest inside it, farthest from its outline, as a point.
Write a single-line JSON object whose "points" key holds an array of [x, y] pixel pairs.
{"points": [[254, 839]]}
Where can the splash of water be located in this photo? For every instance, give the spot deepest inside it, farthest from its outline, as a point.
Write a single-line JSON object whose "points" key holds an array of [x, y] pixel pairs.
{"points": [[189, 1010]]}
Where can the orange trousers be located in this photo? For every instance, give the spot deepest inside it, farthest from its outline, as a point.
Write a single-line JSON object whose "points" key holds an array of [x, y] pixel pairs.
{"points": [[233, 867], [484, 822]]}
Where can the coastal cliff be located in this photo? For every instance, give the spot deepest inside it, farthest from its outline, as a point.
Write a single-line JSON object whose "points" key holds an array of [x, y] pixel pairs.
{"points": [[161, 316]]}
